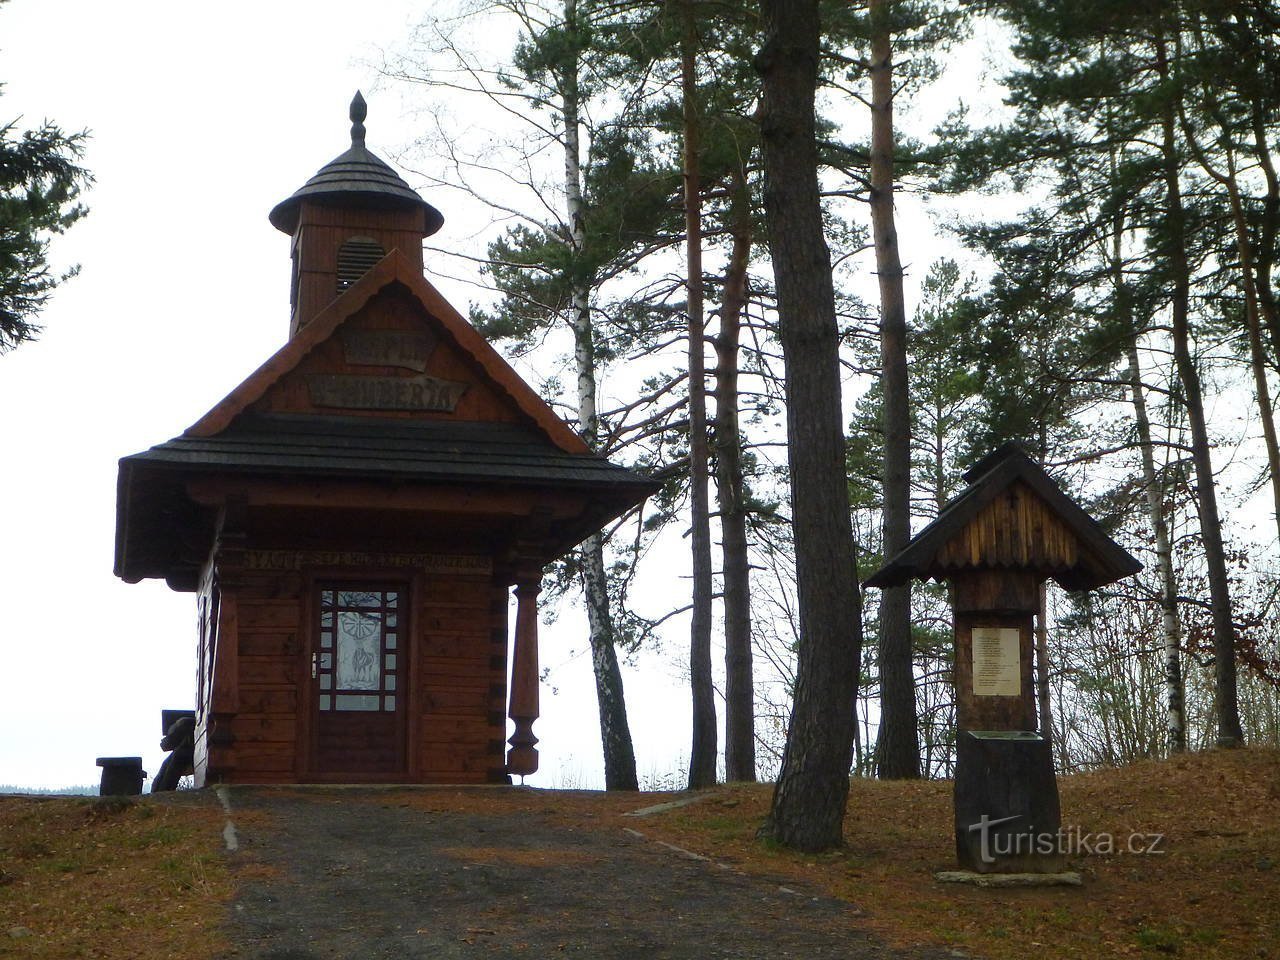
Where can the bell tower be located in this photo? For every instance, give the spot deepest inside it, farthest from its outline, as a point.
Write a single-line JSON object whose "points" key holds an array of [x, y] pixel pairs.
{"points": [[346, 218]]}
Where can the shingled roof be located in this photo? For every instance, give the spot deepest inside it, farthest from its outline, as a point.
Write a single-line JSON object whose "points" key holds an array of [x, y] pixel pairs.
{"points": [[356, 177], [1098, 560], [334, 446], [155, 516]]}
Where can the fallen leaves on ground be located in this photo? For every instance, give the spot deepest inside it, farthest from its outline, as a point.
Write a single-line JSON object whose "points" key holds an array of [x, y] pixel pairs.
{"points": [[111, 878], [1213, 890]]}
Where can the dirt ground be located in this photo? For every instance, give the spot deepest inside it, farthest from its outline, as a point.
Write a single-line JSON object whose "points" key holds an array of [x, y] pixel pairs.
{"points": [[349, 873]]}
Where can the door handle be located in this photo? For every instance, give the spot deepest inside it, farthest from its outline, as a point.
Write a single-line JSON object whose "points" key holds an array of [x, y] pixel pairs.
{"points": [[313, 666]]}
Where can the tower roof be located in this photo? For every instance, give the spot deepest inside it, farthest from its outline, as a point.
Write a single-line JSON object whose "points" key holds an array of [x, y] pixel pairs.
{"points": [[356, 178]]}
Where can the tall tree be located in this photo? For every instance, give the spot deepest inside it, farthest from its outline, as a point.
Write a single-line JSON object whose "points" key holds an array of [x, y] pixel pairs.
{"points": [[702, 756], [40, 183], [1227, 122], [1175, 249], [812, 790], [898, 745], [943, 398], [615, 731], [648, 40], [739, 687]]}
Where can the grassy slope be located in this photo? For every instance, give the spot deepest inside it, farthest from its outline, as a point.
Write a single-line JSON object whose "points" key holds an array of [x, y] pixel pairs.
{"points": [[1215, 892], [81, 878]]}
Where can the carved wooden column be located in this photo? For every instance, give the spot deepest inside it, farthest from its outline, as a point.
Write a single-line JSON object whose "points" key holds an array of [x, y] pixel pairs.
{"points": [[522, 758]]}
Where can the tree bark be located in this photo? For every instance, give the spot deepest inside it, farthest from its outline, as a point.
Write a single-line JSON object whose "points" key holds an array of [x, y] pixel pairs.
{"points": [[615, 732], [1248, 281], [898, 745], [1224, 641], [702, 755], [1253, 326], [812, 791], [1176, 721], [1154, 488], [739, 688], [1269, 227]]}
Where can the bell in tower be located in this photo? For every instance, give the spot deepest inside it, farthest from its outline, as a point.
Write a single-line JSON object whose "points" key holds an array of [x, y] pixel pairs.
{"points": [[346, 218]]}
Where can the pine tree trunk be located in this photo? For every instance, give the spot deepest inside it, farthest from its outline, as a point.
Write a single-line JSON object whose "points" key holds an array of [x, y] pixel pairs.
{"points": [[1252, 301], [739, 688], [1176, 720], [1154, 488], [615, 733], [898, 745], [1257, 352], [1269, 227], [1224, 645], [812, 791], [702, 755]]}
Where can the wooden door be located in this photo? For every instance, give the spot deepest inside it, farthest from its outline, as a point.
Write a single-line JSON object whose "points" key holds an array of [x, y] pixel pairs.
{"points": [[359, 668]]}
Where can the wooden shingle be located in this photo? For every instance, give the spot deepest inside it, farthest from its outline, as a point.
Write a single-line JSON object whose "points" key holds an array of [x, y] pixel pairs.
{"points": [[1012, 516]]}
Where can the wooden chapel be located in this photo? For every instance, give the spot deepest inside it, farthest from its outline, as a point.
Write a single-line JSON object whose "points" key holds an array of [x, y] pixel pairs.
{"points": [[352, 516]]}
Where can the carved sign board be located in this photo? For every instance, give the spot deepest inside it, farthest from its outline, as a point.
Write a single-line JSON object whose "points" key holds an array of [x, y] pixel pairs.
{"points": [[388, 348], [385, 393], [997, 671], [463, 564]]}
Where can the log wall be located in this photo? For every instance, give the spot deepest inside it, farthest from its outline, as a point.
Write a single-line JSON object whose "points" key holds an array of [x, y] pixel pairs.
{"points": [[456, 681]]}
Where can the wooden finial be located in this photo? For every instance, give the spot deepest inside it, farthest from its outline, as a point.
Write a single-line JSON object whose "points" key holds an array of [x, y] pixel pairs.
{"points": [[359, 110]]}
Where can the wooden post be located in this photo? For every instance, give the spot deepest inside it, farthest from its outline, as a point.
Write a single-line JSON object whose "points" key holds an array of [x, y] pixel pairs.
{"points": [[992, 604], [522, 758], [1006, 797], [996, 543]]}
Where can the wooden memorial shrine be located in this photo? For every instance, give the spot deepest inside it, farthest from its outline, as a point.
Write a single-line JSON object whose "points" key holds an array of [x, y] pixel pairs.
{"points": [[1006, 533], [352, 516]]}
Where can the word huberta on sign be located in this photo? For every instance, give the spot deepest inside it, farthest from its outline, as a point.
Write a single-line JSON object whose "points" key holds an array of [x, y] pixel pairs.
{"points": [[426, 562], [388, 348], [385, 393]]}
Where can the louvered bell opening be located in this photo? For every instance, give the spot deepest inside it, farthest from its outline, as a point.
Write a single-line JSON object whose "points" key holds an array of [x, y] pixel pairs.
{"points": [[355, 258]]}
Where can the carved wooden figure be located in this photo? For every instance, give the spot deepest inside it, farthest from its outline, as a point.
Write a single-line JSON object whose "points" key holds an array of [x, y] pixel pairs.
{"points": [[1006, 533], [352, 516]]}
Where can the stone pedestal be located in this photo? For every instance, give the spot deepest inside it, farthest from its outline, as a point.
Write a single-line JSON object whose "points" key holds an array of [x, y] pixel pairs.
{"points": [[1006, 803]]}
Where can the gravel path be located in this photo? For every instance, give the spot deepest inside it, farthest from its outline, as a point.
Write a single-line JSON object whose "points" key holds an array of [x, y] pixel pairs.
{"points": [[369, 874]]}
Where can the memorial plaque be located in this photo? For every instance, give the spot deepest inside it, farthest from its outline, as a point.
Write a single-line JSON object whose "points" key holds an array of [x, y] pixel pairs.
{"points": [[385, 393], [996, 665], [388, 348]]}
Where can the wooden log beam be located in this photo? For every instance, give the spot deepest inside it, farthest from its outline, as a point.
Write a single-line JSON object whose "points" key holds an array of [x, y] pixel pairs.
{"points": [[346, 495]]}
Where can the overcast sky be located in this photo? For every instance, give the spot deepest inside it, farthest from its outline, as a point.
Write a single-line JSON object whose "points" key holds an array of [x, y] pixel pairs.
{"points": [[203, 118]]}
